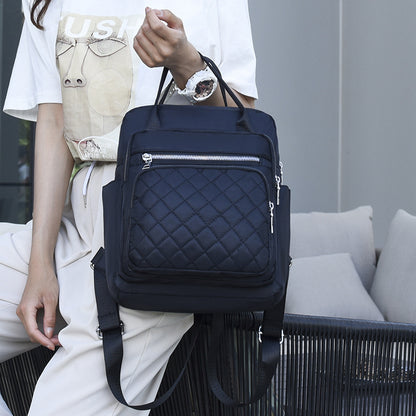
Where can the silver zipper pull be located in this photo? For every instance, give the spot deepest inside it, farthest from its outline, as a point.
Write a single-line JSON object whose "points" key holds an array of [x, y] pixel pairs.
{"points": [[271, 209], [277, 178], [147, 159]]}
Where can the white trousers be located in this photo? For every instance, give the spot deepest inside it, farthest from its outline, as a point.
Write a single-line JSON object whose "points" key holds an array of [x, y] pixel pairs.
{"points": [[74, 381]]}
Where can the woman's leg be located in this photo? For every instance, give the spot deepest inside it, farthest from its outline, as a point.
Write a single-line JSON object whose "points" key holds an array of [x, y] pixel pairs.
{"points": [[14, 255], [13, 274], [74, 381], [14, 258]]}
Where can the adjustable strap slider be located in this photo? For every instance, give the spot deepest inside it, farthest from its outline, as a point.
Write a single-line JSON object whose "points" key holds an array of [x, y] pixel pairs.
{"points": [[260, 335], [100, 332], [98, 256]]}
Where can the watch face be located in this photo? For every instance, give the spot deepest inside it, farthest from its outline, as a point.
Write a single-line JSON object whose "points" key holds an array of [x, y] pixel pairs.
{"points": [[204, 89]]}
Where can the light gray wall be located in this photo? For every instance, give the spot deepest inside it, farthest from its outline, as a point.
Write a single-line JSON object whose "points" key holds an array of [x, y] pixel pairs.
{"points": [[379, 108], [296, 44], [340, 78]]}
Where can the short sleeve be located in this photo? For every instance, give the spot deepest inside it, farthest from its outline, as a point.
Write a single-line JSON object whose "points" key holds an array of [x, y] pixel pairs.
{"points": [[35, 77], [238, 59]]}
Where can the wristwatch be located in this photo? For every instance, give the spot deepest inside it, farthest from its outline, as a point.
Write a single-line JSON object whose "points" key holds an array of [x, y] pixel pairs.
{"points": [[200, 86]]}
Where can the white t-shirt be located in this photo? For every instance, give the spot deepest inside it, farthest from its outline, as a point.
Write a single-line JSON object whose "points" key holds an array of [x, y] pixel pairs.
{"points": [[85, 59]]}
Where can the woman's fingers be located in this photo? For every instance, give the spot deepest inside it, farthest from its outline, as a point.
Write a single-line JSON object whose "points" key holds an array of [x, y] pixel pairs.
{"points": [[41, 292], [147, 49], [173, 21], [49, 316], [143, 54], [161, 38], [154, 20], [27, 314], [147, 33]]}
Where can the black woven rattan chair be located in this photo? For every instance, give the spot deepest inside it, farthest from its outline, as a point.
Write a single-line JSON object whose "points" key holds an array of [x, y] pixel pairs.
{"points": [[328, 367]]}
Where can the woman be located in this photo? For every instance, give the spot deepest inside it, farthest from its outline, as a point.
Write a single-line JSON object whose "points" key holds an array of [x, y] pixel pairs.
{"points": [[80, 66]]}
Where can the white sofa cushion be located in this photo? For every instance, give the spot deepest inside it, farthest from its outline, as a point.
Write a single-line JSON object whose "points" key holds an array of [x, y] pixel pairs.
{"points": [[317, 233], [329, 285], [394, 286]]}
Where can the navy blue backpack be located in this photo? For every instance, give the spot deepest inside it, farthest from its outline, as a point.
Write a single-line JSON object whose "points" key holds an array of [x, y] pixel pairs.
{"points": [[196, 220]]}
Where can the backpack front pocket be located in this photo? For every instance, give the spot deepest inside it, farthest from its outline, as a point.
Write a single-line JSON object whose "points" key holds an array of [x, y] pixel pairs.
{"points": [[208, 220]]}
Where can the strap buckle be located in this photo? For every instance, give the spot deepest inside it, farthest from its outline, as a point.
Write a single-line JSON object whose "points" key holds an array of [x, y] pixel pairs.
{"points": [[260, 335], [100, 333]]}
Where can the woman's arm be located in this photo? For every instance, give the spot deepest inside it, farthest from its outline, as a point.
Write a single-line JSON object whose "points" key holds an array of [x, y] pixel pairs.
{"points": [[158, 44], [53, 167]]}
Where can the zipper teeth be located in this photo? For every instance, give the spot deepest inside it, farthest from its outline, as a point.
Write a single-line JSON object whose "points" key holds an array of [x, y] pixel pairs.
{"points": [[205, 157], [265, 136]]}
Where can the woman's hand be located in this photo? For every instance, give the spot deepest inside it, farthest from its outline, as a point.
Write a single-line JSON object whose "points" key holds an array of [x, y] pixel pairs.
{"points": [[161, 41], [41, 292], [165, 44]]}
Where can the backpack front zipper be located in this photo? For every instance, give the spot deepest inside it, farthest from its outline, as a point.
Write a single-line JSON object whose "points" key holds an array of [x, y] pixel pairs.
{"points": [[149, 157]]}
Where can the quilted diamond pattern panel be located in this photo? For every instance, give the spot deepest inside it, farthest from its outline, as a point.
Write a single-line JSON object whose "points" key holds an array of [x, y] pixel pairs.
{"points": [[200, 219]]}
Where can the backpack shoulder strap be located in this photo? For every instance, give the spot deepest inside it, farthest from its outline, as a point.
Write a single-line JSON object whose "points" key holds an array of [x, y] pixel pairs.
{"points": [[270, 338], [110, 330]]}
